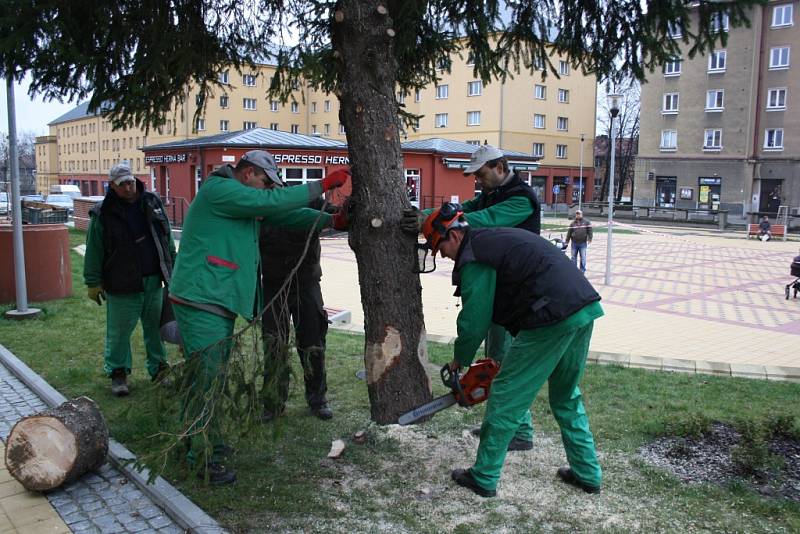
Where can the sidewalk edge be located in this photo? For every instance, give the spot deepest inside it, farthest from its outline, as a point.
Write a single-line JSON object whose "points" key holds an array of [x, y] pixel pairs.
{"points": [[177, 506]]}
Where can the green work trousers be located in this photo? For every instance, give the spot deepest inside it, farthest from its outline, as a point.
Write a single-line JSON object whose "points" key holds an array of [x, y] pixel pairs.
{"points": [[498, 341], [206, 347], [543, 354], [123, 312]]}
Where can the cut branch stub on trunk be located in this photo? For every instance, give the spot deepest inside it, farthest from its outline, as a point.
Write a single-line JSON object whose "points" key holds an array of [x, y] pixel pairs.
{"points": [[57, 446]]}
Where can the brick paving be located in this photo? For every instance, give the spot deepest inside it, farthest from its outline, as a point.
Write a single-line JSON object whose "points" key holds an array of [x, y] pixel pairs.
{"points": [[100, 502], [683, 294]]}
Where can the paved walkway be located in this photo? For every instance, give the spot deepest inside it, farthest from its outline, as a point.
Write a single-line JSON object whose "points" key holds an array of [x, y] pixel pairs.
{"points": [[678, 296]]}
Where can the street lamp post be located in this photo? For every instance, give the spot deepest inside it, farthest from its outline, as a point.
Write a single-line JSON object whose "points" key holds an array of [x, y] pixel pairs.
{"points": [[580, 178], [613, 106]]}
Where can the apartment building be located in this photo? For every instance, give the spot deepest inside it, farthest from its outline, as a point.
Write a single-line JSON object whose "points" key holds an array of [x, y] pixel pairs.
{"points": [[530, 113], [46, 163], [722, 131]]}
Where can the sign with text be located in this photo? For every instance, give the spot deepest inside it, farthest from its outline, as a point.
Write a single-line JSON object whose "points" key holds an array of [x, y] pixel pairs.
{"points": [[165, 158], [311, 159]]}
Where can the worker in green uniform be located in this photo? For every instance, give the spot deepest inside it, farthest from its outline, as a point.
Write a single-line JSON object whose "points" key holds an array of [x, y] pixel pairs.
{"points": [[129, 254], [505, 201], [523, 283], [215, 273]]}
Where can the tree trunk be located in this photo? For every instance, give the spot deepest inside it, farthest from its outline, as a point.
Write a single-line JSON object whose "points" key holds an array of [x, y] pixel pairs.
{"points": [[57, 446], [395, 348]]}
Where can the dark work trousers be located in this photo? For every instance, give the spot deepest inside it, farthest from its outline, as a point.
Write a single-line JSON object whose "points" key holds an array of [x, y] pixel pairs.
{"points": [[301, 301]]}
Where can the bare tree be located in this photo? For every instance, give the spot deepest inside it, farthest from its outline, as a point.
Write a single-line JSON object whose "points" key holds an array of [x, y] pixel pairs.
{"points": [[627, 141]]}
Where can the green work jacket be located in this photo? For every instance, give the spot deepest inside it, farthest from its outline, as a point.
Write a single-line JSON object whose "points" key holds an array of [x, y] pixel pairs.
{"points": [[218, 256], [506, 214]]}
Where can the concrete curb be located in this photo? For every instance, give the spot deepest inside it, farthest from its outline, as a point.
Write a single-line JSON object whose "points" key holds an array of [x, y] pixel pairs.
{"points": [[176, 505], [655, 363]]}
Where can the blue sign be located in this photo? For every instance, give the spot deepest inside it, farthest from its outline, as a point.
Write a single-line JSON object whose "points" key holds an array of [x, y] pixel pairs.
{"points": [[556, 189]]}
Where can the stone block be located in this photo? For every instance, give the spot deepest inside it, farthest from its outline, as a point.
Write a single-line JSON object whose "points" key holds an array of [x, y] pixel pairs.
{"points": [[678, 365], [779, 372], [612, 358], [713, 368], [746, 370], [646, 362]]}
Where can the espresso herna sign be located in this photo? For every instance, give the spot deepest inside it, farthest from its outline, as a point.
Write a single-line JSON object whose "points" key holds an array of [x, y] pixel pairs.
{"points": [[165, 158], [311, 159]]}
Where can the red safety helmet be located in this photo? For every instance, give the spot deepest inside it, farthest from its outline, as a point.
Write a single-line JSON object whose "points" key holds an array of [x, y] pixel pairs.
{"points": [[435, 228]]}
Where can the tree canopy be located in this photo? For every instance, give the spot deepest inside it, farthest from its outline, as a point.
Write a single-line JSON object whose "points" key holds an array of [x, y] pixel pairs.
{"points": [[135, 58]]}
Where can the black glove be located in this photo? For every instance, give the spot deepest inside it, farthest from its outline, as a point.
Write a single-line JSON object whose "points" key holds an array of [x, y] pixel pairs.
{"points": [[412, 220]]}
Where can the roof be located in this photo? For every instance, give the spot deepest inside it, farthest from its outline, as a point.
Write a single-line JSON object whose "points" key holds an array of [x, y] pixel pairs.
{"points": [[254, 138], [437, 145], [79, 112]]}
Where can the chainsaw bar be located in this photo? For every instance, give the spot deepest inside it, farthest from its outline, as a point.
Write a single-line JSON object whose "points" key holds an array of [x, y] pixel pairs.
{"points": [[436, 405]]}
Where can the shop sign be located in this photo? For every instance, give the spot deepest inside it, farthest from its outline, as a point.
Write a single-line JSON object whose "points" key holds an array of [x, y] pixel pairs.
{"points": [[710, 181], [165, 158], [311, 159]]}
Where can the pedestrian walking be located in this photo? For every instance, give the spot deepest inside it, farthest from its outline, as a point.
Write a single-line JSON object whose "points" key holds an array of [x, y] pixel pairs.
{"points": [[129, 256], [520, 281], [580, 234]]}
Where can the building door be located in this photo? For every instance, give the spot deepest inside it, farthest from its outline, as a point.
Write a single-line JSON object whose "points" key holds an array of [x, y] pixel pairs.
{"points": [[413, 185], [666, 188], [709, 191], [770, 198]]}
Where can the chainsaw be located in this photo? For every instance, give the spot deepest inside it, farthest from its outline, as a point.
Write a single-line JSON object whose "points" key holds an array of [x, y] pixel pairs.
{"points": [[467, 390]]}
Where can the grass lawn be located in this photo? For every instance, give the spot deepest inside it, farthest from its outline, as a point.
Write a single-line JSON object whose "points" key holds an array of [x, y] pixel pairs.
{"points": [[398, 480]]}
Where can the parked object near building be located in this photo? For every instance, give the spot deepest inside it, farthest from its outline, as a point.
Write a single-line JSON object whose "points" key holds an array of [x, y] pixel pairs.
{"points": [[66, 189], [5, 205], [62, 201]]}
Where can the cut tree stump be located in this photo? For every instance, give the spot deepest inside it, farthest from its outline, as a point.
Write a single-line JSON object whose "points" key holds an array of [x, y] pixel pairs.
{"points": [[56, 446]]}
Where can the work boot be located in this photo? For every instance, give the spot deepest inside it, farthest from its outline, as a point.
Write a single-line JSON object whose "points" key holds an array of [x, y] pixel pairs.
{"points": [[323, 411], [218, 474], [567, 475], [518, 444], [162, 376], [463, 478], [119, 383]]}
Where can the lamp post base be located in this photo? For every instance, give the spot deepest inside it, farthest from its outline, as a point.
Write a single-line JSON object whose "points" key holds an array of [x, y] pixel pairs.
{"points": [[30, 313]]}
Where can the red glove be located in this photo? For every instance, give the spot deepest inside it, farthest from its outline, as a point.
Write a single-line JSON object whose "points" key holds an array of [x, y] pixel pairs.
{"points": [[335, 179], [340, 221]]}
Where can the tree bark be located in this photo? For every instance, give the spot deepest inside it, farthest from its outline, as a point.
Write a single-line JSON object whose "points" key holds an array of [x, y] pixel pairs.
{"points": [[57, 446], [395, 347]]}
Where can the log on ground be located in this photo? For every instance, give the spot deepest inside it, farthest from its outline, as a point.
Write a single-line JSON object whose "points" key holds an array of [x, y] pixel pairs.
{"points": [[57, 446]]}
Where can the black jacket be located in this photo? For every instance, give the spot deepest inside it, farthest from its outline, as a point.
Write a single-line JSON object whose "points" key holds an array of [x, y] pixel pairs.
{"points": [[135, 241], [537, 285], [515, 187]]}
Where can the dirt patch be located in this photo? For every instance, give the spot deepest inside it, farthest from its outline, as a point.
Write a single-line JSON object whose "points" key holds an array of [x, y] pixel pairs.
{"points": [[711, 458]]}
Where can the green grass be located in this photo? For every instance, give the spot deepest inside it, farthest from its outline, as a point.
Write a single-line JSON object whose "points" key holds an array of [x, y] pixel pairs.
{"points": [[287, 484]]}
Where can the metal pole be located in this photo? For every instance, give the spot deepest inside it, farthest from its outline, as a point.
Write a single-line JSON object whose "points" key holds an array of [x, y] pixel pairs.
{"points": [[580, 179], [22, 310], [611, 198]]}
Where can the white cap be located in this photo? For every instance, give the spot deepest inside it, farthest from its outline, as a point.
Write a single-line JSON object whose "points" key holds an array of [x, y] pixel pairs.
{"points": [[481, 156], [121, 172]]}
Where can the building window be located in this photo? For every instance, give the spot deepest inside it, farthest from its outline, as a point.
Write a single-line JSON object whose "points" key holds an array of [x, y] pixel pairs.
{"points": [[249, 125], [773, 139], [715, 100], [201, 125], [779, 57], [538, 150], [223, 77], [273, 126], [562, 123], [563, 96], [674, 30], [475, 142], [249, 103], [223, 126], [295, 107], [712, 140], [327, 105], [249, 80], [295, 128], [223, 101], [417, 95], [313, 128], [313, 107], [474, 88], [782, 16], [717, 61], [341, 129], [442, 91], [473, 118], [719, 22], [776, 98], [669, 139], [471, 58], [561, 151], [539, 92], [672, 68], [273, 105], [670, 103], [443, 64], [538, 121], [441, 120], [563, 68], [326, 129], [401, 97]]}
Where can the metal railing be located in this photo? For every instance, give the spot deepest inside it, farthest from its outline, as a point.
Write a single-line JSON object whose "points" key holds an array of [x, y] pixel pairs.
{"points": [[176, 209]]}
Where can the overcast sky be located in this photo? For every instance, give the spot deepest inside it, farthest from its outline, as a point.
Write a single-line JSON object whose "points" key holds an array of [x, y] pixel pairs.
{"points": [[32, 114]]}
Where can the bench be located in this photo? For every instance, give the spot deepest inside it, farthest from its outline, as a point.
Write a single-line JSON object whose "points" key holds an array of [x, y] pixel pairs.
{"points": [[777, 230]]}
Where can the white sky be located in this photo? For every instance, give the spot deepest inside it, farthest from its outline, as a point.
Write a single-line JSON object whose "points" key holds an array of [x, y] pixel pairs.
{"points": [[32, 114]]}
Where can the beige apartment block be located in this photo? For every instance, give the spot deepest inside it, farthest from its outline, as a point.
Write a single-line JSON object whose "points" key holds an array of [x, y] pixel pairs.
{"points": [[46, 163], [530, 112], [720, 131]]}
